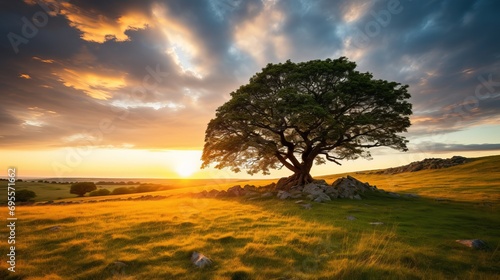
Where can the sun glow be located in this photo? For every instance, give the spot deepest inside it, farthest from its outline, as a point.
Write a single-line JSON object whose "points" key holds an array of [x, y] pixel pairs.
{"points": [[185, 169], [185, 163]]}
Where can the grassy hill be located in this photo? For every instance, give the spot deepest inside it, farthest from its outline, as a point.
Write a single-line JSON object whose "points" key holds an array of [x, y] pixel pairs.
{"points": [[271, 238]]}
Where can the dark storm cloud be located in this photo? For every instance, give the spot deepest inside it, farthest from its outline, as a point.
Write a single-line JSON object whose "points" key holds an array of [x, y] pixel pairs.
{"points": [[162, 67]]}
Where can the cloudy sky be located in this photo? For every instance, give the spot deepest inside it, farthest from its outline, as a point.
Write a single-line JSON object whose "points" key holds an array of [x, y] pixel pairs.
{"points": [[126, 88]]}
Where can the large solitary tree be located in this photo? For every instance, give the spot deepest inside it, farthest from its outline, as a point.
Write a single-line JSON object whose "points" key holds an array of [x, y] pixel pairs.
{"points": [[295, 114]]}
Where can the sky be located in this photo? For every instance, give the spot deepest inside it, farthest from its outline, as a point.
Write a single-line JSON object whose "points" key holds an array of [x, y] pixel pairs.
{"points": [[126, 88]]}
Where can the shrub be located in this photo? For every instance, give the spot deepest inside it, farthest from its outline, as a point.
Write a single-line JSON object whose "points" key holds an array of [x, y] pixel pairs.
{"points": [[82, 188], [99, 192], [122, 190], [146, 188], [25, 195]]}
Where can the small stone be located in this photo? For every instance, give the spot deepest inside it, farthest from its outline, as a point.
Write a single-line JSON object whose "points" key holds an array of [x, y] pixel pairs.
{"points": [[322, 197], [412, 195], [54, 228], [477, 244], [351, 218], [356, 197], [200, 260], [376, 223], [299, 201]]}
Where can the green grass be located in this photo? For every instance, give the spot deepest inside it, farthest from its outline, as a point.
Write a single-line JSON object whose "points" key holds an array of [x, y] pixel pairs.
{"points": [[274, 239]]}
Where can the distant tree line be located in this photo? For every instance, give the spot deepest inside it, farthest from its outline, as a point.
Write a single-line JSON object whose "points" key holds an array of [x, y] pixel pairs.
{"points": [[74, 182], [81, 188]]}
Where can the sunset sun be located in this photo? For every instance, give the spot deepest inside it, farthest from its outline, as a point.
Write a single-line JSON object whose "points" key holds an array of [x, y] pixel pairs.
{"points": [[186, 169], [184, 162]]}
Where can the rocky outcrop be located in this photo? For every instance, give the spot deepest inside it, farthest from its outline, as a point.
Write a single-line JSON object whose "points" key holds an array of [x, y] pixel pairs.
{"points": [[317, 191], [428, 163]]}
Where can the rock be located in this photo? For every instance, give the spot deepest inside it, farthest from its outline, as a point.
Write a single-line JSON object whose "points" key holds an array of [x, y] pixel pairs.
{"points": [[356, 197], [477, 244], [322, 197], [351, 218], [251, 194], [283, 195], [297, 188], [250, 188], [313, 189], [331, 191], [349, 186], [235, 191], [412, 195], [299, 201], [54, 228], [200, 260], [296, 194], [376, 223], [267, 194], [222, 193], [212, 193]]}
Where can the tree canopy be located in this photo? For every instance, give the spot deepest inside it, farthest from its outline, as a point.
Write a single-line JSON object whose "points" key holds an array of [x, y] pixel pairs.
{"points": [[82, 188], [294, 114]]}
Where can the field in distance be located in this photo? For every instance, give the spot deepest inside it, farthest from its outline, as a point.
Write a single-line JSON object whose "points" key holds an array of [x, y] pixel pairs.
{"points": [[378, 237]]}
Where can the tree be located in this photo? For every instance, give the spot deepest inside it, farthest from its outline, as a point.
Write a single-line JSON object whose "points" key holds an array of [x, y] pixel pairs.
{"points": [[295, 114], [82, 188], [25, 195]]}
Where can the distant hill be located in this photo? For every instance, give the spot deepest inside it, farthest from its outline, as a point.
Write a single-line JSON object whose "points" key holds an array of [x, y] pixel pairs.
{"points": [[428, 163], [476, 180]]}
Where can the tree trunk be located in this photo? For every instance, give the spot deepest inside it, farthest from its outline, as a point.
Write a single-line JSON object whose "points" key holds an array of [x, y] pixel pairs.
{"points": [[300, 178]]}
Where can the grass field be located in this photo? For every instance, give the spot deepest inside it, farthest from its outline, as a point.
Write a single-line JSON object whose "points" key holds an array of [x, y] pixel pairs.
{"points": [[270, 238]]}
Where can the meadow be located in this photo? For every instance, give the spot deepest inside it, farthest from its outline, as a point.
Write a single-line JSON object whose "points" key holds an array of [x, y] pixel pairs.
{"points": [[412, 238]]}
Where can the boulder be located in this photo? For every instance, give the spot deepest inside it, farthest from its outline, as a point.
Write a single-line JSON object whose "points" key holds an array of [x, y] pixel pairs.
{"points": [[313, 189], [332, 192], [322, 197], [222, 193], [283, 195], [250, 188], [251, 194], [212, 193], [235, 191]]}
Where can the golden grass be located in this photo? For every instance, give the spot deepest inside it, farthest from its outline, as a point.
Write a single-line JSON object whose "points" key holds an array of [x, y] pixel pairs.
{"points": [[270, 238]]}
